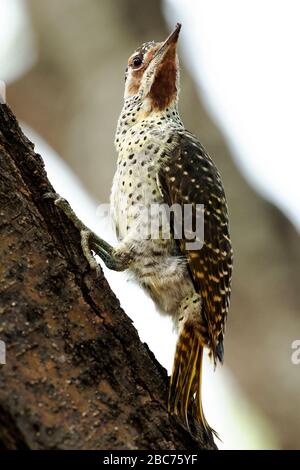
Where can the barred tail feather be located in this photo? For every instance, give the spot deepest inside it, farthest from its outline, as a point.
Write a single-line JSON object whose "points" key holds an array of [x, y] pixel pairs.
{"points": [[185, 388]]}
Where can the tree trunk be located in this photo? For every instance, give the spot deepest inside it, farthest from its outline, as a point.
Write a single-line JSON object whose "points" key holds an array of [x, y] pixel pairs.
{"points": [[76, 374]]}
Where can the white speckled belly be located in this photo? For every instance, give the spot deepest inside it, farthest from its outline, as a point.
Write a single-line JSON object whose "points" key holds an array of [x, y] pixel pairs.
{"points": [[156, 264]]}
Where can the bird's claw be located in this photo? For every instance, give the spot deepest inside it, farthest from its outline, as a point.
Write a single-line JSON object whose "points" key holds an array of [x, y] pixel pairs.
{"points": [[58, 200], [50, 195], [87, 236]]}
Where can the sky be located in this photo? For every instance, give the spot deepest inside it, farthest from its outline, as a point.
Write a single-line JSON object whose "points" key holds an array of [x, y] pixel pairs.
{"points": [[244, 56], [17, 46]]}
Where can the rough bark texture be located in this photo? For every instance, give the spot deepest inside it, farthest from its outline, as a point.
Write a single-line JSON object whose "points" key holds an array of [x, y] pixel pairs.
{"points": [[77, 375]]}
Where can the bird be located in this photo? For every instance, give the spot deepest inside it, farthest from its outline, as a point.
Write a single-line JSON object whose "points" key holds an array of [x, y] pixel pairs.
{"points": [[187, 274]]}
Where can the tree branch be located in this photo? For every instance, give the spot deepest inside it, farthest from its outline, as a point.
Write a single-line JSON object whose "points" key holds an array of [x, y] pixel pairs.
{"points": [[77, 375]]}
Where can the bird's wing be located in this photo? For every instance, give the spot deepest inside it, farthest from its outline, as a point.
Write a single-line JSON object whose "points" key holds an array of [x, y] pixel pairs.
{"points": [[190, 177]]}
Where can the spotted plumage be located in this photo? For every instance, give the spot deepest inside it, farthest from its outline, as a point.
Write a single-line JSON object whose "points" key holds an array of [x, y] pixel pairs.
{"points": [[210, 267], [159, 164]]}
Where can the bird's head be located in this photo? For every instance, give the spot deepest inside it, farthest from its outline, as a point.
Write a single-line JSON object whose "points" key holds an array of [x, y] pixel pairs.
{"points": [[152, 73]]}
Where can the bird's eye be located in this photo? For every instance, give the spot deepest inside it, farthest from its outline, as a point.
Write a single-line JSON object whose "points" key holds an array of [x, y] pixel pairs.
{"points": [[137, 61]]}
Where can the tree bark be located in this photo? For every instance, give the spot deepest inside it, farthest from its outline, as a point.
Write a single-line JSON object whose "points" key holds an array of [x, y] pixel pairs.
{"points": [[76, 374]]}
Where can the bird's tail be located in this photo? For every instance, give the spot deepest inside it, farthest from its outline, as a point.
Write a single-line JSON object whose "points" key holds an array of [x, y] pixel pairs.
{"points": [[185, 388]]}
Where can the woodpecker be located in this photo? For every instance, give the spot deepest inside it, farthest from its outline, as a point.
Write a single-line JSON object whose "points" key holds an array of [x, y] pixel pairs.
{"points": [[160, 162]]}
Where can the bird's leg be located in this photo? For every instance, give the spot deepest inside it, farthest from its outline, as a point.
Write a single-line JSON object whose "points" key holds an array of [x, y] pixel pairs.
{"points": [[91, 241]]}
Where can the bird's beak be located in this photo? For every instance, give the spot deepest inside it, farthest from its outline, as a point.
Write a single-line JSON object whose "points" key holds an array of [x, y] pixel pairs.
{"points": [[159, 80], [167, 45]]}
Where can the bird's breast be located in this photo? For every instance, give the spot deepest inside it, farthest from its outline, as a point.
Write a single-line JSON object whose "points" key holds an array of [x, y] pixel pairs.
{"points": [[135, 187]]}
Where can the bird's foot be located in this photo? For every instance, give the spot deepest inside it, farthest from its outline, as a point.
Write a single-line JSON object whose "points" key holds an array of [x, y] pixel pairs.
{"points": [[89, 240]]}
